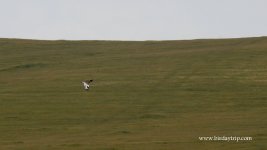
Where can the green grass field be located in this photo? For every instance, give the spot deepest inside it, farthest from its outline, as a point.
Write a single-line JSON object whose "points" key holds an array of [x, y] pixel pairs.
{"points": [[155, 95]]}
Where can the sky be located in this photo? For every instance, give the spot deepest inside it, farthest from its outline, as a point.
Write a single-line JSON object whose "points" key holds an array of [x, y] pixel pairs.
{"points": [[132, 19]]}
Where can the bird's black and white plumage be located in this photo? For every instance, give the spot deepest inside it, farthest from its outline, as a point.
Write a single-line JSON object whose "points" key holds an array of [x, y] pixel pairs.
{"points": [[86, 84]]}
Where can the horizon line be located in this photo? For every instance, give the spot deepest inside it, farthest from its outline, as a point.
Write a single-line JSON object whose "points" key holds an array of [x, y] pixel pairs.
{"points": [[186, 39]]}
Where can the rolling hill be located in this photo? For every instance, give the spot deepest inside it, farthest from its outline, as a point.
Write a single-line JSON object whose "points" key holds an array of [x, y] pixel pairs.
{"points": [[154, 95]]}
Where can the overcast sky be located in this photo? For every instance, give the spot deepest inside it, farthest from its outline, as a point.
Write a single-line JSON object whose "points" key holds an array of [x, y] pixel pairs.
{"points": [[132, 19]]}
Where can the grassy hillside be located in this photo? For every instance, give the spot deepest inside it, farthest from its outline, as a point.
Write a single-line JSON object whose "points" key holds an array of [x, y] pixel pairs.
{"points": [[158, 95]]}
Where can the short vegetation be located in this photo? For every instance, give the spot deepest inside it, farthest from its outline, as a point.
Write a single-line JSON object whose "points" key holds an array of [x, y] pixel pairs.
{"points": [[158, 95]]}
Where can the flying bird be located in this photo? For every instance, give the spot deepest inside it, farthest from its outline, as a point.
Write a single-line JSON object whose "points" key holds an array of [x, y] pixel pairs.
{"points": [[86, 84]]}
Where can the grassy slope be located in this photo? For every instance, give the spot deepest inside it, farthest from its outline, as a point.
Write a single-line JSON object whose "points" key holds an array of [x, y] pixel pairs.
{"points": [[146, 95]]}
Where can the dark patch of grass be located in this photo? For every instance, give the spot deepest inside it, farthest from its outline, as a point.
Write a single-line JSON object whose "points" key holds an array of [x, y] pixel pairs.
{"points": [[24, 67], [125, 132]]}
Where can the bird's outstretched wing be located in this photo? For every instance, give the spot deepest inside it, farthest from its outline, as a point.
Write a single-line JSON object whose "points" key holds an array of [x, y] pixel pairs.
{"points": [[89, 81], [86, 86]]}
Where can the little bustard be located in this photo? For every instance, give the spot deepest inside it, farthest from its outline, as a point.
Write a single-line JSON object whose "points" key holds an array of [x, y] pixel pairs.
{"points": [[86, 84]]}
